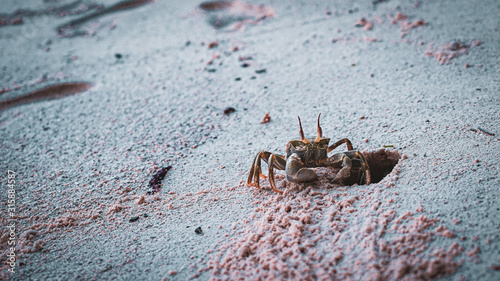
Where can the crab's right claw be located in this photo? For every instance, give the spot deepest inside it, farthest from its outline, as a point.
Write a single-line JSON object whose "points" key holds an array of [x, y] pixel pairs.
{"points": [[345, 171], [295, 172]]}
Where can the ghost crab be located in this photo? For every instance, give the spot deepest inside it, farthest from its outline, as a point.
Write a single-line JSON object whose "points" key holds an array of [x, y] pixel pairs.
{"points": [[304, 154]]}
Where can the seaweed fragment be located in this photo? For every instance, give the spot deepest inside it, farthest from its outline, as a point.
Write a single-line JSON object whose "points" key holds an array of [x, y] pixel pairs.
{"points": [[155, 182]]}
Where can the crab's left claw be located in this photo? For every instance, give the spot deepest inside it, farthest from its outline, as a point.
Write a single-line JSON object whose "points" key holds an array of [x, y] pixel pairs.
{"points": [[348, 162]]}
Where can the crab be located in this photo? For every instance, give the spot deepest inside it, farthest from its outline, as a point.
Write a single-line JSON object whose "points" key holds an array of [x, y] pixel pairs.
{"points": [[306, 153]]}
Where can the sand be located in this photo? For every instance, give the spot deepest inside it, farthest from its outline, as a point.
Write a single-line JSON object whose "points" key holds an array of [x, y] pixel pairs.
{"points": [[128, 130]]}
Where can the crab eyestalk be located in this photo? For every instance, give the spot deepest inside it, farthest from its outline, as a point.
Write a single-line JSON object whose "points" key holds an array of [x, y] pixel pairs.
{"points": [[320, 131], [302, 132]]}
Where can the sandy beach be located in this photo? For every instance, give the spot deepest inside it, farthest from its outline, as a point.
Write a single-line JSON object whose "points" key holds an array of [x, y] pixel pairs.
{"points": [[128, 130]]}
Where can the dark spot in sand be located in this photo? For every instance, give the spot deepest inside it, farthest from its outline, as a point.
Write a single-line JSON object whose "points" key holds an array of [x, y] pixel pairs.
{"points": [[155, 182], [133, 219], [376, 2], [244, 58], [260, 71], [229, 110], [213, 44], [495, 267], [266, 119], [458, 45], [381, 163], [245, 65], [48, 93], [118, 55], [237, 79], [220, 22], [212, 70], [215, 5], [198, 231], [130, 4]]}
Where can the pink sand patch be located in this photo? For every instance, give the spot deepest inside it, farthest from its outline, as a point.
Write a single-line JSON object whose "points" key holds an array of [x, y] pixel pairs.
{"points": [[366, 24], [444, 54], [319, 231], [405, 24]]}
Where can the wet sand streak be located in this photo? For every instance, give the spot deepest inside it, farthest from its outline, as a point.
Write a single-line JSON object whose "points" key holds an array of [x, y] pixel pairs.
{"points": [[68, 29], [48, 93]]}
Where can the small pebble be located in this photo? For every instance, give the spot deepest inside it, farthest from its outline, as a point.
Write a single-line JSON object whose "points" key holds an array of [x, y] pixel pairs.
{"points": [[213, 44], [198, 230], [229, 110]]}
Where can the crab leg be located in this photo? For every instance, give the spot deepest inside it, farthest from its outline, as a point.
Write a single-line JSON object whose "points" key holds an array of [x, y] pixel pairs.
{"points": [[250, 174], [256, 170], [365, 167], [339, 143], [278, 163]]}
